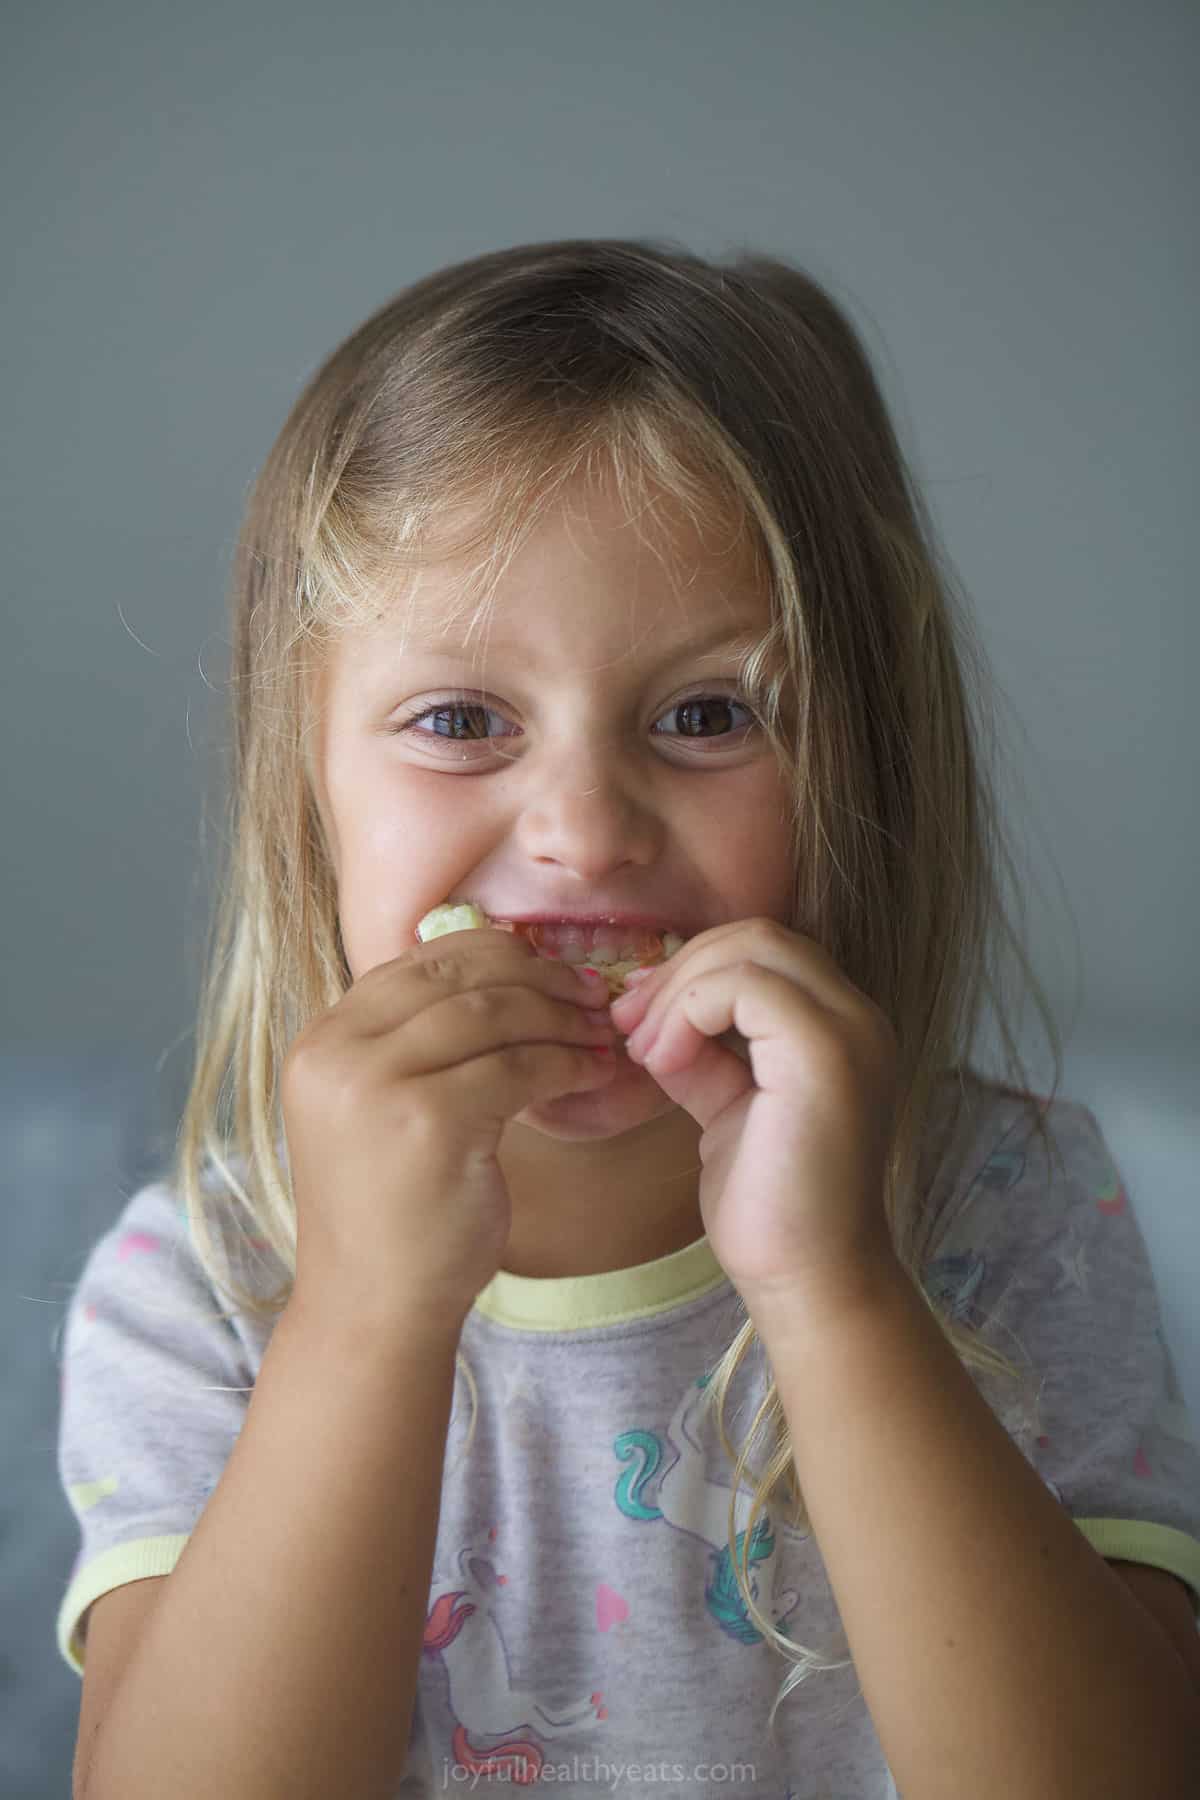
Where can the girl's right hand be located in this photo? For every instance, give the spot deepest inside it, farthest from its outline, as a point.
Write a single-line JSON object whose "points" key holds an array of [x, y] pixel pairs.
{"points": [[394, 1101]]}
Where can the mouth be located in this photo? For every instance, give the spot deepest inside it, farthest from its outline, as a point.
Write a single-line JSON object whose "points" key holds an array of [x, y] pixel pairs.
{"points": [[594, 942], [611, 948]]}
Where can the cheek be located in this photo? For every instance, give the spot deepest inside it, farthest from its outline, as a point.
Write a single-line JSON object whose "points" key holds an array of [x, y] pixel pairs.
{"points": [[387, 838], [751, 853], [376, 820], [399, 859]]}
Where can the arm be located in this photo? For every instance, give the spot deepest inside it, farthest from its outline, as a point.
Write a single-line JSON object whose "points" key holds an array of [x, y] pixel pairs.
{"points": [[998, 1653], [282, 1659]]}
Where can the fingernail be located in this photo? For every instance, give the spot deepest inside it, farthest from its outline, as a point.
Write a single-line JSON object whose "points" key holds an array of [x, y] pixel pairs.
{"points": [[636, 975], [593, 977]]}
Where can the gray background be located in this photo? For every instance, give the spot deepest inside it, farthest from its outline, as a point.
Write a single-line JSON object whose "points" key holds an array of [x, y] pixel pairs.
{"points": [[200, 203]]}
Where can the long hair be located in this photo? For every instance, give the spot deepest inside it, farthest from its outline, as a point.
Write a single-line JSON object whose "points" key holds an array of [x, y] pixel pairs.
{"points": [[451, 423]]}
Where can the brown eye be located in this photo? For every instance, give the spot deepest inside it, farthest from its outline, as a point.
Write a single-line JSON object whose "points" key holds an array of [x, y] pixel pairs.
{"points": [[707, 717], [462, 714], [456, 712], [696, 707]]}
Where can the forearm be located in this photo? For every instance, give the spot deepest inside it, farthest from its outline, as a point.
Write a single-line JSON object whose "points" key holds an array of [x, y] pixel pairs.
{"points": [[998, 1654], [282, 1660]]}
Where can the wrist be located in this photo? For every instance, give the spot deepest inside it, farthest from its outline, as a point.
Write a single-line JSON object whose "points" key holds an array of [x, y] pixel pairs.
{"points": [[822, 1303], [348, 1325]]}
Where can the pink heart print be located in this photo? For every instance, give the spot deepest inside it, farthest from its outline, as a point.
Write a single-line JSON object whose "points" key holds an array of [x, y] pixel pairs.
{"points": [[610, 1608]]}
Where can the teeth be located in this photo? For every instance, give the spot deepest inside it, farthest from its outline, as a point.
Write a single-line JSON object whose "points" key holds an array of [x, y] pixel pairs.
{"points": [[572, 952], [602, 948], [599, 946]]}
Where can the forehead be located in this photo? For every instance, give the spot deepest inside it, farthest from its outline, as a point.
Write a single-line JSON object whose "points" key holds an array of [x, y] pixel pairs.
{"points": [[590, 581]]}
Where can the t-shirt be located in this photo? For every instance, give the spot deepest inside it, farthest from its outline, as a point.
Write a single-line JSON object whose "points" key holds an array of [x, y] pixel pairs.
{"points": [[584, 1625]]}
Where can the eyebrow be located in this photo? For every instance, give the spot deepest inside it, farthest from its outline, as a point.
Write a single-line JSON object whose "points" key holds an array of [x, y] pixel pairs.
{"points": [[725, 638]]}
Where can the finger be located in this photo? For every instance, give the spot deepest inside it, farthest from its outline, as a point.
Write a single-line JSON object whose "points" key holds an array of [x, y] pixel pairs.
{"points": [[763, 941], [478, 1022], [716, 1077], [647, 1003], [395, 991], [767, 1008], [501, 946], [653, 979], [497, 1086]]}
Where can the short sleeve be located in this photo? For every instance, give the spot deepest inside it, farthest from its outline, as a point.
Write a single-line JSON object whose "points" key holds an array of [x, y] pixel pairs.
{"points": [[155, 1385], [1044, 1258]]}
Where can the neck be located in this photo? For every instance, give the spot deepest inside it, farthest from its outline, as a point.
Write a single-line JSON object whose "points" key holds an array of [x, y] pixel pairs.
{"points": [[590, 1208]]}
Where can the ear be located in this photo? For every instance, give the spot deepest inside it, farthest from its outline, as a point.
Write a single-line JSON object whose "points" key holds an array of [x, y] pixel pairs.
{"points": [[1169, 1600]]}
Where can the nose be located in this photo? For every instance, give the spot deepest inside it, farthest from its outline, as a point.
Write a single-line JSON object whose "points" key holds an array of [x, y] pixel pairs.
{"points": [[590, 814]]}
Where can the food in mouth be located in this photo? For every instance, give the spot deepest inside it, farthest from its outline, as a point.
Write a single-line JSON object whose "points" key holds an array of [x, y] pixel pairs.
{"points": [[612, 950]]}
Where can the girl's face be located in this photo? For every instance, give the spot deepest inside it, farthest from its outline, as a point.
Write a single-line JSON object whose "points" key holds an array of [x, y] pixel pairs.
{"points": [[596, 759]]}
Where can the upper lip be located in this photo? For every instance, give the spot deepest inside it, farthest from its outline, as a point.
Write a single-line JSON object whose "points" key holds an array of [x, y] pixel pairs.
{"points": [[636, 921]]}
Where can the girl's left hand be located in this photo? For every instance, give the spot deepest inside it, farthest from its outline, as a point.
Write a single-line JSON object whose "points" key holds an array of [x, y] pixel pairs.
{"points": [[795, 1147]]}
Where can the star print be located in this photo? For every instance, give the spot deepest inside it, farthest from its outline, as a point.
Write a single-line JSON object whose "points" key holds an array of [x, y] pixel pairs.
{"points": [[1072, 1260]]}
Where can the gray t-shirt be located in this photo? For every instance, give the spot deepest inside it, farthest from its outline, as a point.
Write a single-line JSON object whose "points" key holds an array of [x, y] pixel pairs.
{"points": [[584, 1624]]}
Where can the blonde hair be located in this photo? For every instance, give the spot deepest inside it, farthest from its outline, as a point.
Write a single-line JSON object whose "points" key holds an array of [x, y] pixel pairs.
{"points": [[450, 424]]}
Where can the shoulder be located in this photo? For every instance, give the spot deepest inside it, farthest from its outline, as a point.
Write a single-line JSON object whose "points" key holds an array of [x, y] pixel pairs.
{"points": [[151, 1224], [150, 1271], [1036, 1219], [1029, 1157]]}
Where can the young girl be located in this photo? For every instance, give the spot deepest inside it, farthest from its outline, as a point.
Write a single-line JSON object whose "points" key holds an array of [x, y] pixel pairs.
{"points": [[586, 584]]}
